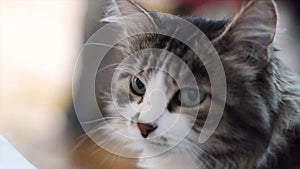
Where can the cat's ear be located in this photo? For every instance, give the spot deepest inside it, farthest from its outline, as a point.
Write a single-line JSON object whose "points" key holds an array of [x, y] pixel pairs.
{"points": [[120, 8], [251, 31], [129, 15]]}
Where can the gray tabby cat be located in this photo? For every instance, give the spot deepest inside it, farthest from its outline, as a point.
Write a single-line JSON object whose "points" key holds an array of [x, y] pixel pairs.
{"points": [[262, 103]]}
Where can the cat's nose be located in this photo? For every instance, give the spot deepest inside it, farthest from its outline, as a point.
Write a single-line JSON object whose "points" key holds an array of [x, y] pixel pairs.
{"points": [[146, 129]]}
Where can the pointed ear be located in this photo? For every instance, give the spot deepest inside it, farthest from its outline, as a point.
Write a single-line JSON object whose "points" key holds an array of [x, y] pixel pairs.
{"points": [[120, 8], [129, 16], [252, 31]]}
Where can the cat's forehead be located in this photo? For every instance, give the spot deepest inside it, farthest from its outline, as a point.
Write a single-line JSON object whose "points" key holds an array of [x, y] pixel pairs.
{"points": [[170, 55], [183, 69]]}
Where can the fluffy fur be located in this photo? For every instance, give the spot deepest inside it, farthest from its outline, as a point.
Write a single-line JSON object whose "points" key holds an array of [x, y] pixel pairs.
{"points": [[262, 103]]}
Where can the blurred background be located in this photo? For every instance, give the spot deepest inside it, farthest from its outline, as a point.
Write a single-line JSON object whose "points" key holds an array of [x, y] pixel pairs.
{"points": [[40, 40]]}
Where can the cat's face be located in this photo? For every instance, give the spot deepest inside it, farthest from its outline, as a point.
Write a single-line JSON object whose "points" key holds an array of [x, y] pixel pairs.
{"points": [[158, 100]]}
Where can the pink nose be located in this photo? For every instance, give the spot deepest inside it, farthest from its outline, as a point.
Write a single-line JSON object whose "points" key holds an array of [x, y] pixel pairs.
{"points": [[146, 129]]}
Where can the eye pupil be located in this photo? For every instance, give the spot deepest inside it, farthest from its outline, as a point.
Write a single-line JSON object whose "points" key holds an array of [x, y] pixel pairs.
{"points": [[192, 94], [139, 84], [190, 97]]}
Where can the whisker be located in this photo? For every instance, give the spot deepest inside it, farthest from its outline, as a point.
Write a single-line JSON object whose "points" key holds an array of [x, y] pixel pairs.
{"points": [[104, 127], [117, 147], [101, 44], [117, 65], [203, 151], [123, 147], [197, 162], [79, 143], [100, 120], [103, 143], [104, 160], [108, 66]]}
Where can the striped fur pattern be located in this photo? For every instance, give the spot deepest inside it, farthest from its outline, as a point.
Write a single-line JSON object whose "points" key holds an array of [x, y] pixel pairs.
{"points": [[262, 104]]}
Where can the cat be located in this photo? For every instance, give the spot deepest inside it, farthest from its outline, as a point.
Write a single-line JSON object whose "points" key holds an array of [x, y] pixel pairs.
{"points": [[262, 103]]}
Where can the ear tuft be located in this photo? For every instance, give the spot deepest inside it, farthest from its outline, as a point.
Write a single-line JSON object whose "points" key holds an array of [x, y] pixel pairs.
{"points": [[120, 8], [252, 30]]}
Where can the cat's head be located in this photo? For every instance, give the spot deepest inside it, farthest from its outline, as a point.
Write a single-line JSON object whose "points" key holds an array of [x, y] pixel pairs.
{"points": [[156, 98]]}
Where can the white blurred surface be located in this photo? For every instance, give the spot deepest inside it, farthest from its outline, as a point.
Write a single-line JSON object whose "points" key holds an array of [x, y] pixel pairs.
{"points": [[10, 158]]}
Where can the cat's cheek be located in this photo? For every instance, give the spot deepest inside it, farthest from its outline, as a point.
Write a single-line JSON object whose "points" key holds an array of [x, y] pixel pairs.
{"points": [[173, 122]]}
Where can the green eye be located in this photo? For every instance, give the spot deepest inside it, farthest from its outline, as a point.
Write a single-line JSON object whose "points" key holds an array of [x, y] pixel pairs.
{"points": [[190, 97], [137, 86]]}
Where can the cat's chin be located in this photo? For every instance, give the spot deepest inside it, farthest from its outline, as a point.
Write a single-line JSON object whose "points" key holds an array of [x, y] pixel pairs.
{"points": [[147, 144], [173, 158], [147, 148]]}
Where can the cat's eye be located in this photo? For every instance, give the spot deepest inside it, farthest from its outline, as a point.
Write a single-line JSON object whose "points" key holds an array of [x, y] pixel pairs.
{"points": [[137, 86], [191, 97]]}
